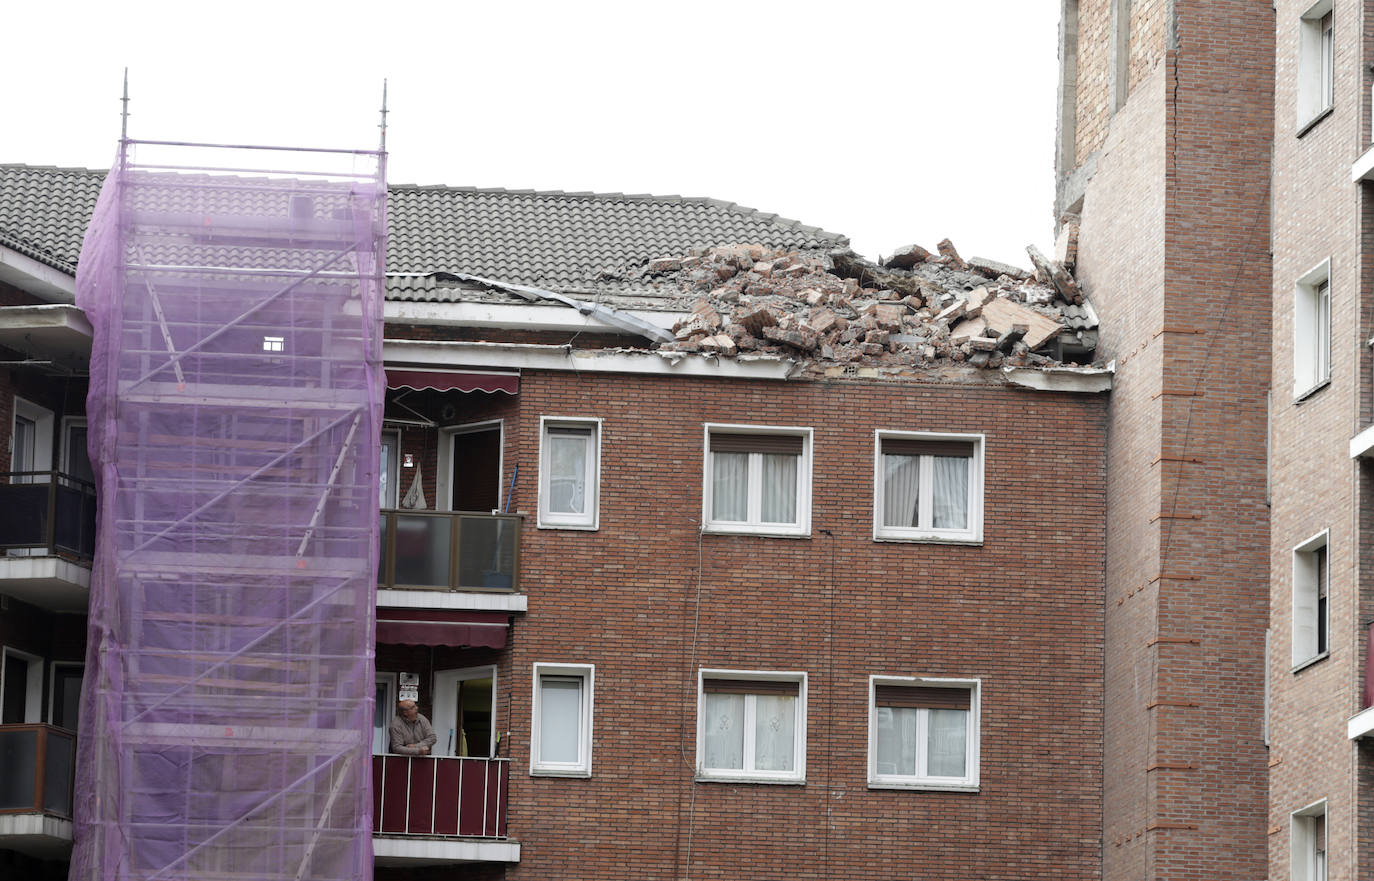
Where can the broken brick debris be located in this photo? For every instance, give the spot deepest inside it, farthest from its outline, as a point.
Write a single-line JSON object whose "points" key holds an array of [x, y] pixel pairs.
{"points": [[916, 310]]}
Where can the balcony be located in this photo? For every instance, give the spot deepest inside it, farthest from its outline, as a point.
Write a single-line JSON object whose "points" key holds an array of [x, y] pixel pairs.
{"points": [[449, 550], [429, 811], [1362, 723], [47, 533], [37, 773]]}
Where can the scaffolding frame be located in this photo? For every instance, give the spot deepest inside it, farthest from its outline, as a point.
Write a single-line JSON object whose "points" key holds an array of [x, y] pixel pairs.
{"points": [[235, 415]]}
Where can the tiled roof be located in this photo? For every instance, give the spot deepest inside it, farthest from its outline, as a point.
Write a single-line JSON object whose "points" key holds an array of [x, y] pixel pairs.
{"points": [[561, 241]]}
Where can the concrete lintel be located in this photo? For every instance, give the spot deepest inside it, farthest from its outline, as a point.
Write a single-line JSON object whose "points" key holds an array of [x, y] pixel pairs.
{"points": [[1361, 724], [1362, 444], [1088, 380], [1363, 169]]}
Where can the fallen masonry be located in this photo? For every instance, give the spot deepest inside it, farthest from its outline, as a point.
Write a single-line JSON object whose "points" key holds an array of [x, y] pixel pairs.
{"points": [[918, 309]]}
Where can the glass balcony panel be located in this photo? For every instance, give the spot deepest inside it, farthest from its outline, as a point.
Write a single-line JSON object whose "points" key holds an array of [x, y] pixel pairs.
{"points": [[486, 553], [18, 764], [423, 546], [57, 773]]}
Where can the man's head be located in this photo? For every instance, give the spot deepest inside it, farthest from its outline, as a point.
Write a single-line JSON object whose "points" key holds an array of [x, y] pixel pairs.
{"points": [[407, 710]]}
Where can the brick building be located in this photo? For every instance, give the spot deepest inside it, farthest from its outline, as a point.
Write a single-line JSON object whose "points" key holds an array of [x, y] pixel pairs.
{"points": [[1215, 154], [831, 605]]}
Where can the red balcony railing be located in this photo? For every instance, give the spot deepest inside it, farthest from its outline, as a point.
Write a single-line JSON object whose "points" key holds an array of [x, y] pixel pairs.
{"points": [[37, 765], [49, 513], [424, 795], [1367, 695], [449, 550]]}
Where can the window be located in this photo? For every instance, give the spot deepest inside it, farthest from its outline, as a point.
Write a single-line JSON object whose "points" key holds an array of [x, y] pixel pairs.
{"points": [[757, 480], [569, 472], [1311, 585], [1308, 853], [561, 730], [751, 726], [923, 733], [31, 441], [1316, 64], [1312, 331], [388, 471], [21, 687], [64, 704], [383, 711], [76, 460], [929, 487]]}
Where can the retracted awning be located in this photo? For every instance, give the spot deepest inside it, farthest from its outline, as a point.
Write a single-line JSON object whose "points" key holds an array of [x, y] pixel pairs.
{"points": [[450, 380], [442, 627]]}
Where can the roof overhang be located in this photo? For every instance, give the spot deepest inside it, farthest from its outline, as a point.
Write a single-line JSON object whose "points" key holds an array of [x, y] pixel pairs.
{"points": [[51, 331], [37, 278], [1062, 379], [517, 316], [527, 356]]}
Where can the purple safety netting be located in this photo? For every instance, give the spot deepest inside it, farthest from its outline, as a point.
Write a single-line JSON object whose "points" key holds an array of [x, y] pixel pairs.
{"points": [[234, 412]]}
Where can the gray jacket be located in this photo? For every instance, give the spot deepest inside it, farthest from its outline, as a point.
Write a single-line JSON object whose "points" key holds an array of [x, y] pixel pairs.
{"points": [[408, 737]]}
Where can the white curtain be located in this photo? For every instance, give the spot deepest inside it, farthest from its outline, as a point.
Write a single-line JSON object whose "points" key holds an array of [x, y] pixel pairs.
{"points": [[730, 486], [779, 488], [948, 730], [896, 740], [567, 473], [724, 730], [775, 730], [901, 490], [951, 492], [560, 718]]}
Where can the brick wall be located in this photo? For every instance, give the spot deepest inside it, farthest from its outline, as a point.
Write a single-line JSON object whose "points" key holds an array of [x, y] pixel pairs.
{"points": [[1173, 254], [1149, 23], [649, 600]]}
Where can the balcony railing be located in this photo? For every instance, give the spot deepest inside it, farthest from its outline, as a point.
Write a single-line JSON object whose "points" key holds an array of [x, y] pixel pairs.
{"points": [[449, 550], [37, 766], [424, 795], [48, 513]]}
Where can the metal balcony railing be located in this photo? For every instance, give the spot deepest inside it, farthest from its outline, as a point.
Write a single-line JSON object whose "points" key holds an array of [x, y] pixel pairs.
{"points": [[424, 795], [449, 550], [37, 770], [48, 513]]}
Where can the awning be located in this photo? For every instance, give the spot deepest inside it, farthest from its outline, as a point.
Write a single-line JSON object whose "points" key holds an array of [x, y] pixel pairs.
{"points": [[448, 380], [442, 627]]}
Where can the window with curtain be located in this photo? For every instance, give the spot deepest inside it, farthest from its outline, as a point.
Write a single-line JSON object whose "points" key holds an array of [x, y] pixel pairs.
{"points": [[923, 736], [569, 459], [928, 488], [561, 733], [751, 728], [757, 482]]}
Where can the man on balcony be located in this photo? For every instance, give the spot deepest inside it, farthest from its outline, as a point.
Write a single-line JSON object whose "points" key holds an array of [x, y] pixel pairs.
{"points": [[411, 733]]}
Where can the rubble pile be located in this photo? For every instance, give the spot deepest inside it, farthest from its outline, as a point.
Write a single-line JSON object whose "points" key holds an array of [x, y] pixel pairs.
{"points": [[916, 309]]}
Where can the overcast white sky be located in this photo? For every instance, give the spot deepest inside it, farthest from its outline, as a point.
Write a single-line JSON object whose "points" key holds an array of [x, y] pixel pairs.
{"points": [[891, 122]]}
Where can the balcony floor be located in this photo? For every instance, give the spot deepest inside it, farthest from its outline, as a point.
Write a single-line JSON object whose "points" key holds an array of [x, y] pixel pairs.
{"points": [[40, 836], [424, 850], [52, 583]]}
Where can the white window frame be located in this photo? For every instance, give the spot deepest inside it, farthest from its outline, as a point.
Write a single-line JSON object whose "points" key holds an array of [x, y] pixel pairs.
{"points": [[748, 775], [967, 783], [583, 766], [590, 519], [1304, 847], [1316, 65], [1312, 330], [392, 496], [971, 535], [387, 680], [33, 682], [801, 527], [43, 421], [1309, 625]]}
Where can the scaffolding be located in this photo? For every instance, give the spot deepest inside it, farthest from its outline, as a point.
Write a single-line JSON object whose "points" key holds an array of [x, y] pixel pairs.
{"points": [[234, 412]]}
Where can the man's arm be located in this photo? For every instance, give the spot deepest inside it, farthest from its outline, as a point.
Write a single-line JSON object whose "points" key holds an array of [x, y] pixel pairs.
{"points": [[398, 738], [427, 736]]}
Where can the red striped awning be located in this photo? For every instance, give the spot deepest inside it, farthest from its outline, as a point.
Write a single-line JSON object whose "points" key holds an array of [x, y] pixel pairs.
{"points": [[442, 627], [449, 380]]}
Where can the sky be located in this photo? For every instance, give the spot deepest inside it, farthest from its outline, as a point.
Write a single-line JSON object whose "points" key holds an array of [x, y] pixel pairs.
{"points": [[895, 122]]}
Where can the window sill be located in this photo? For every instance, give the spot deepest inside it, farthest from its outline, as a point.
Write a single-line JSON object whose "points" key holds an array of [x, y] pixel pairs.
{"points": [[930, 538], [928, 785], [1316, 659], [561, 772], [580, 527], [750, 779], [1312, 123], [1303, 396], [757, 531]]}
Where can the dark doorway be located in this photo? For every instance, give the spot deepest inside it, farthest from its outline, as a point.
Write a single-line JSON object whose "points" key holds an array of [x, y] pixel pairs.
{"points": [[477, 470]]}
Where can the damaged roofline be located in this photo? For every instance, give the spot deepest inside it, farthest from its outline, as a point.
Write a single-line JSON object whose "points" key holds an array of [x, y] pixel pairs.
{"points": [[534, 356], [1089, 380], [622, 320], [528, 316]]}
